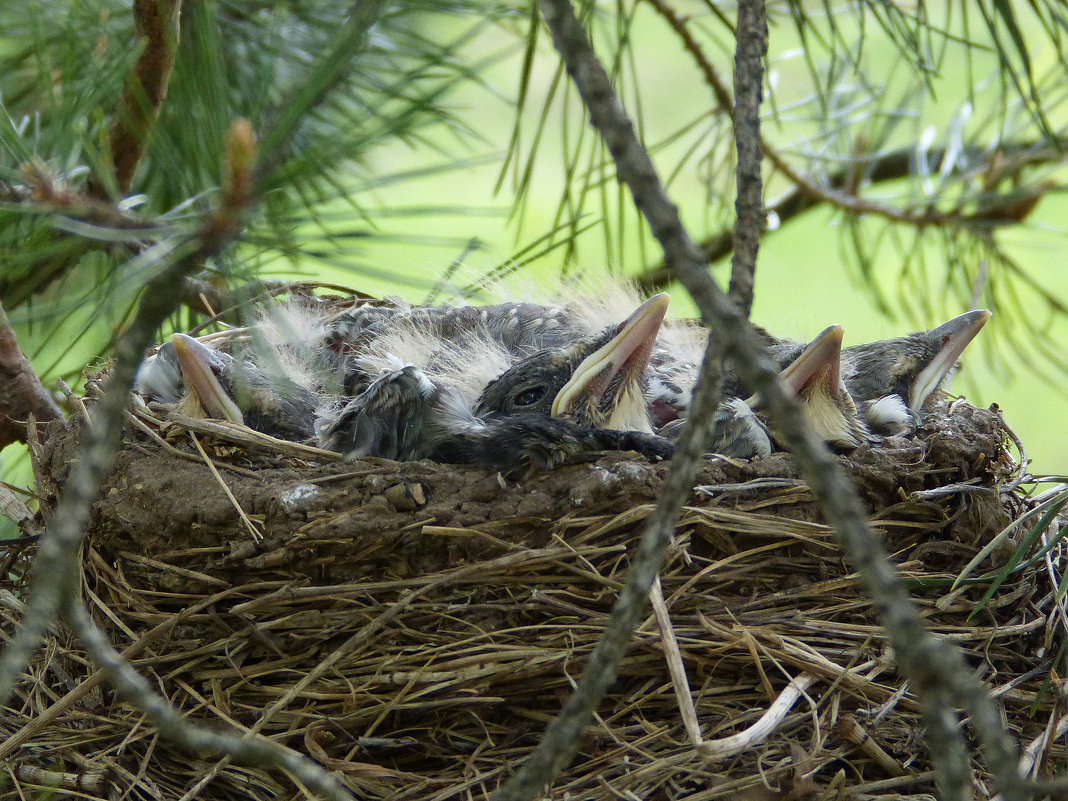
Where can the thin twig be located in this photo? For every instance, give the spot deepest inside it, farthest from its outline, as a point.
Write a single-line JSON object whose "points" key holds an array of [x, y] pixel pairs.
{"points": [[752, 47], [676, 668], [765, 725]]}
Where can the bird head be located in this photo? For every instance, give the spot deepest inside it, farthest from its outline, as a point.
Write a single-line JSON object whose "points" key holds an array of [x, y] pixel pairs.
{"points": [[160, 377], [204, 370], [596, 381], [895, 377], [815, 378], [224, 388]]}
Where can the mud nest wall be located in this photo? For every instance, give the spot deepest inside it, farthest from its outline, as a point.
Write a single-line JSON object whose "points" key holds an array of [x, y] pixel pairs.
{"points": [[415, 626]]}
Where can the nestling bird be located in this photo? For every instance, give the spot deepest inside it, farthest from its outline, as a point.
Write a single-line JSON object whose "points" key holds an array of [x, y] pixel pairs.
{"points": [[524, 445], [597, 381], [739, 426], [736, 431], [388, 417], [517, 328], [550, 407], [889, 380], [815, 377], [892, 379], [480, 383], [204, 382]]}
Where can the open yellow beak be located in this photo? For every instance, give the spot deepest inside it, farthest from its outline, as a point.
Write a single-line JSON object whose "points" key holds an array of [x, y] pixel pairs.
{"points": [[629, 350], [199, 365]]}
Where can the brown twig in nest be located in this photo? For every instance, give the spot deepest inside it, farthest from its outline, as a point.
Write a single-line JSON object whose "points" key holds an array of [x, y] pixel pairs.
{"points": [[21, 392]]}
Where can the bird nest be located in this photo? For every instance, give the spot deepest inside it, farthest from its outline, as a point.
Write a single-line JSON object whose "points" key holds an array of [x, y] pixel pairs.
{"points": [[414, 626]]}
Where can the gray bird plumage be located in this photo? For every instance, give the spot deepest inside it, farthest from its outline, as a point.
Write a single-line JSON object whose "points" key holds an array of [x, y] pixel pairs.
{"points": [[451, 382], [892, 379], [588, 394], [740, 428], [598, 380], [388, 418], [736, 431]]}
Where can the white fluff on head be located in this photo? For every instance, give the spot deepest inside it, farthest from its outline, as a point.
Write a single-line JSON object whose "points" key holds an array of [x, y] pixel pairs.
{"points": [[595, 308], [455, 415], [159, 378], [294, 322], [611, 301], [379, 362], [594, 303], [466, 364], [283, 339]]}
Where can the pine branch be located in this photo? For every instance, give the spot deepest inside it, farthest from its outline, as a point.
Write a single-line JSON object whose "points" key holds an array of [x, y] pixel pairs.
{"points": [[156, 24], [55, 570], [317, 85], [892, 165]]}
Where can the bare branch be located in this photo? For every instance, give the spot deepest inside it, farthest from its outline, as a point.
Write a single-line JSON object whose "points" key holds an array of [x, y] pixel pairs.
{"points": [[752, 47], [21, 391], [876, 168], [55, 568]]}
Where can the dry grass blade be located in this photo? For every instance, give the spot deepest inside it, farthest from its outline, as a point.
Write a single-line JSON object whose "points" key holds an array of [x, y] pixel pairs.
{"points": [[255, 533]]}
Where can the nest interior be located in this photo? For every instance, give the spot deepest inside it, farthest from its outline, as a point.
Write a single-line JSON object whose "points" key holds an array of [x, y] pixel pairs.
{"points": [[414, 626]]}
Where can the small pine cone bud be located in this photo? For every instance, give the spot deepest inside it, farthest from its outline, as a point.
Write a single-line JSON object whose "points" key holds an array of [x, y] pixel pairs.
{"points": [[238, 161]]}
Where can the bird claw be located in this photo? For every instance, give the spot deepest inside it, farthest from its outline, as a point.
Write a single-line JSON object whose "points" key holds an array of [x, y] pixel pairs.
{"points": [[522, 446]]}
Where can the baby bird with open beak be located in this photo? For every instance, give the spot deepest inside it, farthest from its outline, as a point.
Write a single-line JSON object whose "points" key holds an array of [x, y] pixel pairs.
{"points": [[892, 379], [203, 382], [740, 428], [597, 381], [815, 377]]}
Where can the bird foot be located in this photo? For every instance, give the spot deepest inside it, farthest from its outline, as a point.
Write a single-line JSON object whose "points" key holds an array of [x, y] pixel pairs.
{"points": [[519, 447]]}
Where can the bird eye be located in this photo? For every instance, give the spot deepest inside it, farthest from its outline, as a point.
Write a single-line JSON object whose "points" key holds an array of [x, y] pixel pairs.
{"points": [[529, 396]]}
